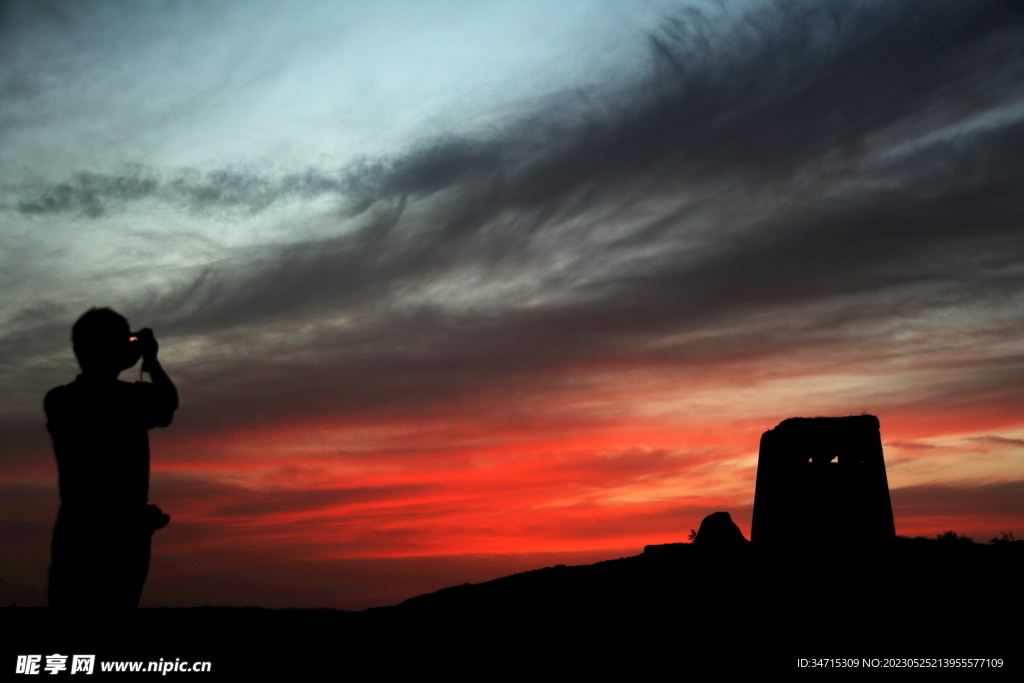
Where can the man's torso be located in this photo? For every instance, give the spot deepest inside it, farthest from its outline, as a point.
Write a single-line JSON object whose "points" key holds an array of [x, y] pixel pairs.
{"points": [[99, 431]]}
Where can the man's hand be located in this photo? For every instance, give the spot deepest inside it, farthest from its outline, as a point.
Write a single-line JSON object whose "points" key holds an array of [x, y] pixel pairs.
{"points": [[148, 345]]}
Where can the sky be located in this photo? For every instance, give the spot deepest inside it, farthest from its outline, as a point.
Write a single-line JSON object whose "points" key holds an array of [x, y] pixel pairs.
{"points": [[452, 290]]}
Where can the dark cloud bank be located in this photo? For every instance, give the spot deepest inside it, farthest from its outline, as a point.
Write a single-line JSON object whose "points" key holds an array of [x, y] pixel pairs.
{"points": [[865, 158]]}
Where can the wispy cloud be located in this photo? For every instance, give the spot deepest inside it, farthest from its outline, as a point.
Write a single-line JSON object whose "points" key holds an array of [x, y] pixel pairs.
{"points": [[998, 441], [94, 194], [787, 177]]}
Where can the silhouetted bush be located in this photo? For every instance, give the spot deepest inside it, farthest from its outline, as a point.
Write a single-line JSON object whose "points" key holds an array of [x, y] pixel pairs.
{"points": [[1004, 537], [953, 537]]}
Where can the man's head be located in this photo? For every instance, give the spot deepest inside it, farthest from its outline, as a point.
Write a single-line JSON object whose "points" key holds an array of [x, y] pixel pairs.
{"points": [[101, 339]]}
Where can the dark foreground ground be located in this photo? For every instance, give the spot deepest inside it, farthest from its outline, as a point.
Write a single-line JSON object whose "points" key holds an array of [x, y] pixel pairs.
{"points": [[678, 607]]}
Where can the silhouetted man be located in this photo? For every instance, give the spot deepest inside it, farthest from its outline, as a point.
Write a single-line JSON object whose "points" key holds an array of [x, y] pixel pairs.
{"points": [[99, 424]]}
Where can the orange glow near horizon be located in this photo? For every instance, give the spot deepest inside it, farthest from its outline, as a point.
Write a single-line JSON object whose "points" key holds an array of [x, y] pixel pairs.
{"points": [[475, 485], [561, 477]]}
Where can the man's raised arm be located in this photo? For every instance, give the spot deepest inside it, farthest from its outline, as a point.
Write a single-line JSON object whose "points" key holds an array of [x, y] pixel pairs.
{"points": [[167, 394]]}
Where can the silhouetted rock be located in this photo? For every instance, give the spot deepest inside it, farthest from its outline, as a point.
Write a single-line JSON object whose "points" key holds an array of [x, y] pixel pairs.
{"points": [[822, 481], [719, 531]]}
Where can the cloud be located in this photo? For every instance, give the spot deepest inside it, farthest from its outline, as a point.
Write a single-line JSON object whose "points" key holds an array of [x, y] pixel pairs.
{"points": [[95, 194], [964, 500], [859, 155], [912, 445], [998, 441], [788, 179]]}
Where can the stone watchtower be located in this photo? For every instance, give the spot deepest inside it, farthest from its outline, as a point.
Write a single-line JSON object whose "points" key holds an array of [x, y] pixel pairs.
{"points": [[822, 481]]}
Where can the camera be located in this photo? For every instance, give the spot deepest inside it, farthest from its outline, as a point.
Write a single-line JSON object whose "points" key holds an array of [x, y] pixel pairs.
{"points": [[132, 351]]}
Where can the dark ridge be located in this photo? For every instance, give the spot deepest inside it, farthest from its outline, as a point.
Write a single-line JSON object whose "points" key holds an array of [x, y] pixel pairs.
{"points": [[756, 608]]}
